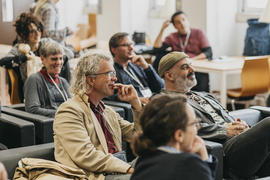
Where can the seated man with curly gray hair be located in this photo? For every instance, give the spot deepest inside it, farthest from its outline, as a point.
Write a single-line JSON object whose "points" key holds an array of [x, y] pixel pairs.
{"points": [[86, 132]]}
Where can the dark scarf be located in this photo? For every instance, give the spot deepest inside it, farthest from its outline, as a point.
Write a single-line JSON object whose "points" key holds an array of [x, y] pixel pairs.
{"points": [[44, 73]]}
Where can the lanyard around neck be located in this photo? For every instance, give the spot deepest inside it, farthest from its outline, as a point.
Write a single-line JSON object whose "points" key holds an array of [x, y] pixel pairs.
{"points": [[65, 97], [183, 46], [133, 76]]}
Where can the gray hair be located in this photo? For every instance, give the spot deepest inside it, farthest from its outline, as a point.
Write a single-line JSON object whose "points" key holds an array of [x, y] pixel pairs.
{"points": [[51, 48], [88, 64]]}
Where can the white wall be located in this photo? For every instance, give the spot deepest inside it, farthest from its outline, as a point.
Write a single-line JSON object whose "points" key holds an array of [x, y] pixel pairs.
{"points": [[215, 17], [71, 13], [218, 19], [109, 21]]}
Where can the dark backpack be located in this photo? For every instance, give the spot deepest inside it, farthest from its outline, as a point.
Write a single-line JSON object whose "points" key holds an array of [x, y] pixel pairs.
{"points": [[257, 40]]}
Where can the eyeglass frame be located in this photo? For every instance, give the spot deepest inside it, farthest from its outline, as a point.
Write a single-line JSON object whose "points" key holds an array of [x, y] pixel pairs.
{"points": [[126, 45], [34, 31], [110, 74], [196, 123]]}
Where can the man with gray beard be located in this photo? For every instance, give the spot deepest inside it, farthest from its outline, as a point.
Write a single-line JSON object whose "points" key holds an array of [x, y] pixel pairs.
{"points": [[246, 148]]}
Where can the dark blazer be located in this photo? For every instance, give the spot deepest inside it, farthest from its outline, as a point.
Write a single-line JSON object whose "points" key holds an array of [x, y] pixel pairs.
{"points": [[161, 165], [148, 77]]}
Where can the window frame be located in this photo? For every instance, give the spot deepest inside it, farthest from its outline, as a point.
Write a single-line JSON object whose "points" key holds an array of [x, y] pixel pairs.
{"points": [[244, 13]]}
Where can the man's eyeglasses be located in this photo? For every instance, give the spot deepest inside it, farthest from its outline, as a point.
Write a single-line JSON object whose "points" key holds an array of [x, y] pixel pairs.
{"points": [[110, 74], [196, 124], [126, 44]]}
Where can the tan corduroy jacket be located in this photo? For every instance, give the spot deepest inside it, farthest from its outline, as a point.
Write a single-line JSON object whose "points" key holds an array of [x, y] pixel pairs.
{"points": [[80, 142]]}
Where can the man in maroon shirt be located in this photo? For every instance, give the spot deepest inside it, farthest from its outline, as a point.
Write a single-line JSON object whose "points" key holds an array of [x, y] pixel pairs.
{"points": [[189, 40]]}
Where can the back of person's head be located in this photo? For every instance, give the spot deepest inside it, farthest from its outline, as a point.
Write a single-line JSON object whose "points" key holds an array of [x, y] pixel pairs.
{"points": [[23, 22], [51, 48], [88, 65], [176, 14], [161, 117], [114, 40]]}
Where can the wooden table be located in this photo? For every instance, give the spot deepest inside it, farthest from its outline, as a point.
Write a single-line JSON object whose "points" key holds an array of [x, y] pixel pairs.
{"points": [[222, 67]]}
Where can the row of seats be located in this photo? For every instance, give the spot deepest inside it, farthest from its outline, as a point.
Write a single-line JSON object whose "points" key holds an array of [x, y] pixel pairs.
{"points": [[19, 128], [24, 129]]}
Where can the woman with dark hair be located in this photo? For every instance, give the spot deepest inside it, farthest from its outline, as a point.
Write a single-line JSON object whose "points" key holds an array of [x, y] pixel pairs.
{"points": [[29, 30], [168, 146]]}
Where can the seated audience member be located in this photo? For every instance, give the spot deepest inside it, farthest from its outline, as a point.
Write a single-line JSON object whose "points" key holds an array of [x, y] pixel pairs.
{"points": [[45, 90], [189, 40], [87, 133], [168, 146], [47, 11], [133, 69], [246, 148], [29, 30], [3, 172]]}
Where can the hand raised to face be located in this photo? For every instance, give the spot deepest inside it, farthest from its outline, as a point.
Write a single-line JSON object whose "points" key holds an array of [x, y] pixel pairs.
{"points": [[139, 61], [128, 93], [199, 147]]}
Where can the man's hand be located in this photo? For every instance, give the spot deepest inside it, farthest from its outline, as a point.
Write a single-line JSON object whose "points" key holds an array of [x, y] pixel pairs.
{"points": [[139, 61], [198, 147], [130, 170], [128, 93], [144, 100], [236, 127], [165, 25], [3, 172]]}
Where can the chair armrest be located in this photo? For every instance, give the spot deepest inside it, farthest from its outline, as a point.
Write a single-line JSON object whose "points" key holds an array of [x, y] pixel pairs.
{"points": [[216, 149], [250, 116], [43, 124], [264, 110], [15, 132], [10, 157], [20, 106], [125, 106]]}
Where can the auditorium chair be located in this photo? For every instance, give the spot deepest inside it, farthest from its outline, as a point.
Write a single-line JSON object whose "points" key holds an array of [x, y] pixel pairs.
{"points": [[16, 132]]}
